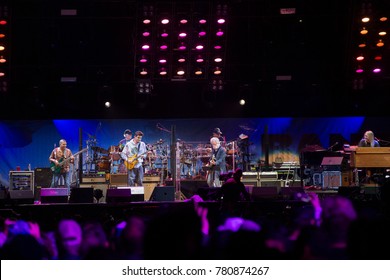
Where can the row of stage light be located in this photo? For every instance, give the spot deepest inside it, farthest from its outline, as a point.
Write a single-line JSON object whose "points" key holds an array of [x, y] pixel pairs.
{"points": [[3, 48], [181, 42], [370, 40]]}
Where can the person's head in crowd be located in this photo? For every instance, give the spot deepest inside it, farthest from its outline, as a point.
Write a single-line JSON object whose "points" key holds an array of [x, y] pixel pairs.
{"points": [[69, 238]]}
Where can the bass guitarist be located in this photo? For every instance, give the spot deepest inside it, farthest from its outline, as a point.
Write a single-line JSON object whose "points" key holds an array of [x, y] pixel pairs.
{"points": [[133, 154], [60, 159]]}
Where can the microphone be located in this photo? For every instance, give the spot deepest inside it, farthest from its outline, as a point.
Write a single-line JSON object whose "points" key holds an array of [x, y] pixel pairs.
{"points": [[331, 147]]}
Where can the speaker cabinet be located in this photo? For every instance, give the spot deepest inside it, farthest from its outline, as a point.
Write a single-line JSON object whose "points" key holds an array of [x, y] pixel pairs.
{"points": [[148, 190], [209, 194], [96, 188], [350, 192], [21, 197], [118, 179], [166, 193], [261, 193], [291, 192], [118, 195], [81, 195], [54, 195], [43, 177]]}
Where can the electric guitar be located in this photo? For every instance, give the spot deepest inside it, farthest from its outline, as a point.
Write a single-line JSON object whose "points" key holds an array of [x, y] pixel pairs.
{"points": [[57, 168], [133, 160]]}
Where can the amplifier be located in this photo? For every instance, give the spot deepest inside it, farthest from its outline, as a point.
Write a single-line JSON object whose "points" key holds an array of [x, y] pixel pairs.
{"points": [[331, 179], [93, 179], [118, 179], [102, 187], [152, 179], [250, 175], [21, 180], [269, 175]]}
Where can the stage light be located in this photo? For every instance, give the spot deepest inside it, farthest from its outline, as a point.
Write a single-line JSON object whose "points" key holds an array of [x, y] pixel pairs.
{"points": [[199, 59], [199, 47], [143, 59], [376, 70], [364, 31], [165, 21], [242, 102], [163, 46], [362, 45], [144, 86], [146, 33], [359, 69], [217, 71], [145, 47], [162, 71], [3, 59], [219, 33], [380, 43], [164, 34], [360, 58], [218, 59], [143, 72], [162, 60], [180, 71]]}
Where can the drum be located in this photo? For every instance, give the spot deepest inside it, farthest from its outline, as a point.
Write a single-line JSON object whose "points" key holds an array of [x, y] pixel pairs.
{"points": [[114, 153], [103, 165]]}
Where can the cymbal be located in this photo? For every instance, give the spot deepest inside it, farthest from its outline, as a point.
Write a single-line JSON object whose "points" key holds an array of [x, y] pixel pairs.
{"points": [[100, 150]]}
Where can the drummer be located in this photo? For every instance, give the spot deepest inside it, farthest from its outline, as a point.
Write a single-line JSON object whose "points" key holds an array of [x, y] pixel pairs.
{"points": [[128, 135], [117, 161]]}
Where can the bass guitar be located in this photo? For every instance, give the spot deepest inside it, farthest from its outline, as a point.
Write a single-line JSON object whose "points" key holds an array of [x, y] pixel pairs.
{"points": [[56, 168]]}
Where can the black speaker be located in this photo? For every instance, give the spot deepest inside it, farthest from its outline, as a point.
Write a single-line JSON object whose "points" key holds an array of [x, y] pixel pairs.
{"points": [[166, 193], [54, 195], [81, 195], [350, 192], [21, 196], [209, 194], [43, 176], [291, 192], [261, 193], [118, 195]]}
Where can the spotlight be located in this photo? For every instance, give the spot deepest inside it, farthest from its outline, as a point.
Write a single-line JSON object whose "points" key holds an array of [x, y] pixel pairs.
{"points": [[144, 86]]}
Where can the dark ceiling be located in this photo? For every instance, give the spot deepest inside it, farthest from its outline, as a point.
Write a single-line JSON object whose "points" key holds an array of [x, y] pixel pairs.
{"points": [[315, 47]]}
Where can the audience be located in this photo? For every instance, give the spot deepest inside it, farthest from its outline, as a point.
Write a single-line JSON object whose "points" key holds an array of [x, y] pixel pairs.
{"points": [[329, 228]]}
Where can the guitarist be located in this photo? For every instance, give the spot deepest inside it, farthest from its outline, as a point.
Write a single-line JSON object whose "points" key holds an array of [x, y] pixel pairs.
{"points": [[217, 163], [61, 158], [133, 155]]}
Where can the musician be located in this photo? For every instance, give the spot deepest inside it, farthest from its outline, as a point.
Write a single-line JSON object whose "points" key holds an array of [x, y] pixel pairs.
{"points": [[217, 163], [369, 140], [60, 159], [218, 133], [117, 164], [133, 155], [128, 135]]}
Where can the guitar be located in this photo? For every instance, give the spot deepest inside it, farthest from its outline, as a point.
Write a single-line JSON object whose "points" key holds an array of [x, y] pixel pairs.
{"points": [[133, 160], [57, 168]]}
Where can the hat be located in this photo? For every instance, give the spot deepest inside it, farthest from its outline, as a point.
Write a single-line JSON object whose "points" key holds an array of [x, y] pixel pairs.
{"points": [[217, 130], [127, 131]]}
